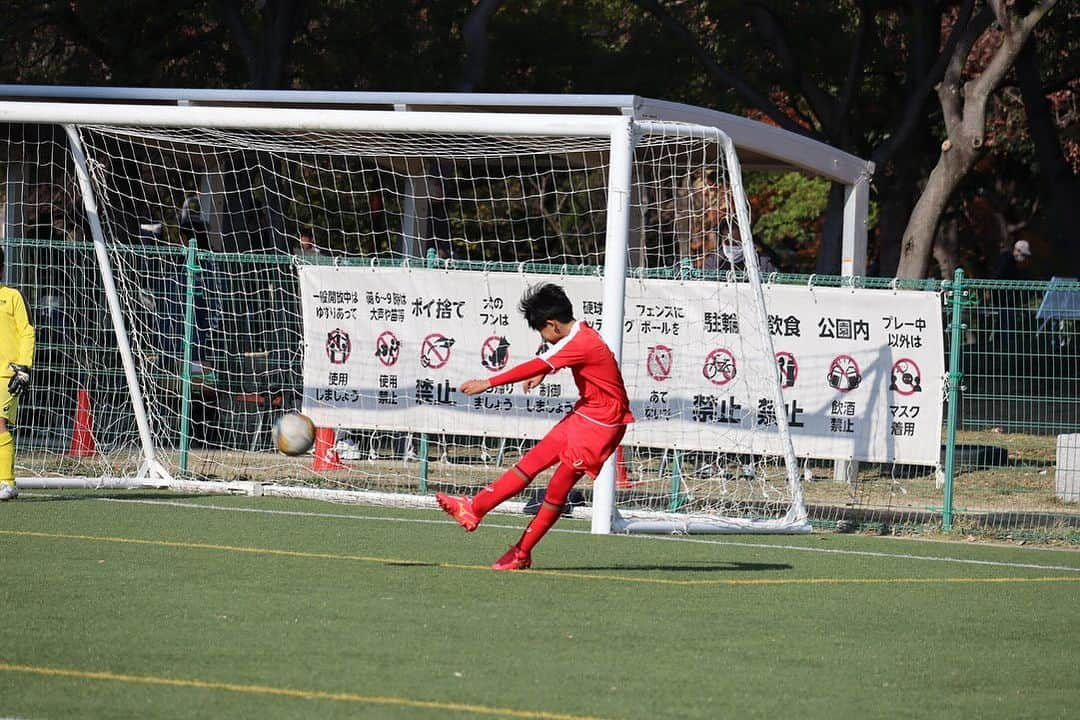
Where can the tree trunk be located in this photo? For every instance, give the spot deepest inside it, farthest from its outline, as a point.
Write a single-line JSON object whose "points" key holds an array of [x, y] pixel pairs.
{"points": [[963, 106], [946, 247], [477, 43], [831, 251], [265, 51], [1060, 187], [916, 244]]}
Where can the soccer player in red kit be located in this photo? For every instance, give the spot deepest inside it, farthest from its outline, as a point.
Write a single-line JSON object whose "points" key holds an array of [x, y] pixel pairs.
{"points": [[580, 442]]}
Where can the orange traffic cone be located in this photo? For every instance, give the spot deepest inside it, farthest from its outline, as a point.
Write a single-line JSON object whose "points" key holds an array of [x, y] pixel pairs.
{"points": [[82, 436], [326, 457]]}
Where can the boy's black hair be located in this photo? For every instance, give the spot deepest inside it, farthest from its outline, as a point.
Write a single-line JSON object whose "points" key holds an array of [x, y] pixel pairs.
{"points": [[543, 302]]}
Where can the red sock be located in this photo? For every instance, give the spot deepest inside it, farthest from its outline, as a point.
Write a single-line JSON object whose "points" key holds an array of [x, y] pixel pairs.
{"points": [[545, 518], [507, 486], [558, 489]]}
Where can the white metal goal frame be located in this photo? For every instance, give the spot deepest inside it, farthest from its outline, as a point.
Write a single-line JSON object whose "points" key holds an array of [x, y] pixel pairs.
{"points": [[620, 131]]}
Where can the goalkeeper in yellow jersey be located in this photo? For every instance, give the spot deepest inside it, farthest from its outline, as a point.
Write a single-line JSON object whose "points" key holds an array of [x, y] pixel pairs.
{"points": [[16, 356]]}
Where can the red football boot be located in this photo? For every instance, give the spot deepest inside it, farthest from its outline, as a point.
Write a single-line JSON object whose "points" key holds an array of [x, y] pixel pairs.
{"points": [[513, 559], [459, 508]]}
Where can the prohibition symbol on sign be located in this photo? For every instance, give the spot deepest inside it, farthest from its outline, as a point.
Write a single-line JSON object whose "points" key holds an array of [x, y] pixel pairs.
{"points": [[658, 364], [906, 377], [844, 374], [719, 367], [338, 346], [788, 367], [435, 350], [387, 348], [495, 353]]}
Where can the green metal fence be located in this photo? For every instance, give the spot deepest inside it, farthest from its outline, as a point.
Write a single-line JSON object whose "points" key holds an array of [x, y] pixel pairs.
{"points": [[1012, 350], [1017, 418]]}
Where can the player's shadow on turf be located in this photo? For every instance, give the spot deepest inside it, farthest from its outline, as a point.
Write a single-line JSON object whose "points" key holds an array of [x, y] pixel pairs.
{"points": [[685, 567]]}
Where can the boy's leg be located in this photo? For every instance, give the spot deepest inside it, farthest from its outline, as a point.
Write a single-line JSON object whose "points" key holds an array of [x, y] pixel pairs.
{"points": [[551, 509], [587, 447], [469, 512], [519, 556], [8, 491], [509, 484]]}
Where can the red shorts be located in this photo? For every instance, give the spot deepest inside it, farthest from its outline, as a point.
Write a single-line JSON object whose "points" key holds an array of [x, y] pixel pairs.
{"points": [[576, 441]]}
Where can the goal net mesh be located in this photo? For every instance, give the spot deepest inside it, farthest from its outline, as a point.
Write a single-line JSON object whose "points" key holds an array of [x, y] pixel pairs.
{"points": [[206, 229]]}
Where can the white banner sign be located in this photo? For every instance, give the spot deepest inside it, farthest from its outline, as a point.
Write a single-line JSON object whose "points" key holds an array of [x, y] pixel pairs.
{"points": [[862, 370]]}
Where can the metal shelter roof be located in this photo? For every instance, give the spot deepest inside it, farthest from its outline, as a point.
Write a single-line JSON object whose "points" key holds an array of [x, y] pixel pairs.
{"points": [[758, 145]]}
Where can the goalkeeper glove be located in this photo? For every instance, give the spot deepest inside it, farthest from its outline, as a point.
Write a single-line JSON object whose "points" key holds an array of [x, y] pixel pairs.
{"points": [[20, 381]]}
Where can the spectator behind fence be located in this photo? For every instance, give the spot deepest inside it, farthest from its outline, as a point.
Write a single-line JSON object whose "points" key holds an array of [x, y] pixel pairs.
{"points": [[308, 248], [715, 242], [1015, 264], [732, 257]]}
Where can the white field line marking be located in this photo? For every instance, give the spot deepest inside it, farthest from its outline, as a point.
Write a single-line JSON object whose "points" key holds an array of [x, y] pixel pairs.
{"points": [[668, 538]]}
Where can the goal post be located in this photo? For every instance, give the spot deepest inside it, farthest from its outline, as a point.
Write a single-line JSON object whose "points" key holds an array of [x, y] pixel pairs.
{"points": [[424, 224], [149, 469], [618, 230]]}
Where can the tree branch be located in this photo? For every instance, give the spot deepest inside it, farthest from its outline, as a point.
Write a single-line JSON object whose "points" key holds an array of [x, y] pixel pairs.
{"points": [[475, 34], [230, 12], [772, 31], [965, 117], [722, 74], [1015, 32], [914, 112], [73, 27], [855, 64]]}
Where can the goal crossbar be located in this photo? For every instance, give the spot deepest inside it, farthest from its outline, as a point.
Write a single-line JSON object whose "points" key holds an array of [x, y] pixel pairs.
{"points": [[304, 119]]}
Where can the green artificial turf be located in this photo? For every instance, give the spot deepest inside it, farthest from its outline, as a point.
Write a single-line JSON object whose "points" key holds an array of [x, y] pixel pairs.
{"points": [[180, 607]]}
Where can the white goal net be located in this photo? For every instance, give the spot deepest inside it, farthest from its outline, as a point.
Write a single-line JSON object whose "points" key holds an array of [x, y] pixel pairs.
{"points": [[240, 259]]}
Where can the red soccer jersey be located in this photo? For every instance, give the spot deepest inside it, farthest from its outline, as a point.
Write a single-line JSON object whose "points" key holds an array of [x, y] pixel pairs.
{"points": [[600, 383]]}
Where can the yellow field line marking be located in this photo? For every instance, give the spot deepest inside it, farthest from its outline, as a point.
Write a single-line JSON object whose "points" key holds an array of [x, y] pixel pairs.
{"points": [[551, 573], [286, 692]]}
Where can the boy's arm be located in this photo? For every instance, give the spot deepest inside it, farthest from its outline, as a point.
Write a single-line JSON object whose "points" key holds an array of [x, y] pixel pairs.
{"points": [[24, 339], [24, 334], [525, 371], [532, 382]]}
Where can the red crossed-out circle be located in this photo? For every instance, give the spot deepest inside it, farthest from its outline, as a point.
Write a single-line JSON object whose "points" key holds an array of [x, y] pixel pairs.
{"points": [[788, 367], [844, 373], [387, 348], [659, 362], [719, 368], [435, 350], [906, 377], [495, 353]]}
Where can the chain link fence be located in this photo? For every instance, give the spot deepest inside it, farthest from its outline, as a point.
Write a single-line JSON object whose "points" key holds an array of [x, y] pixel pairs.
{"points": [[1012, 348]]}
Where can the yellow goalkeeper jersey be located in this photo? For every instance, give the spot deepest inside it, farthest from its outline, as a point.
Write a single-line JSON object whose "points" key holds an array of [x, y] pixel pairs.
{"points": [[16, 332]]}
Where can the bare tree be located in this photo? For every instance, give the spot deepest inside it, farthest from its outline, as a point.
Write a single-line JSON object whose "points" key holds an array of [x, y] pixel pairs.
{"points": [[829, 114], [964, 100]]}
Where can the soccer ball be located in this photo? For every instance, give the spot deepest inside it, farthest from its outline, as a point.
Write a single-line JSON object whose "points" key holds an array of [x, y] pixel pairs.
{"points": [[293, 434]]}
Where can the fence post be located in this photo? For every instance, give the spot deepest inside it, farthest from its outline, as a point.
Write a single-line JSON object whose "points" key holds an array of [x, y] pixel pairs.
{"points": [[432, 260], [191, 266], [676, 501], [956, 332]]}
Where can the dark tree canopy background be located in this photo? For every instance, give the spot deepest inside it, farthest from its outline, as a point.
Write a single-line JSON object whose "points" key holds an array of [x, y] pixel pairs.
{"points": [[960, 175]]}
